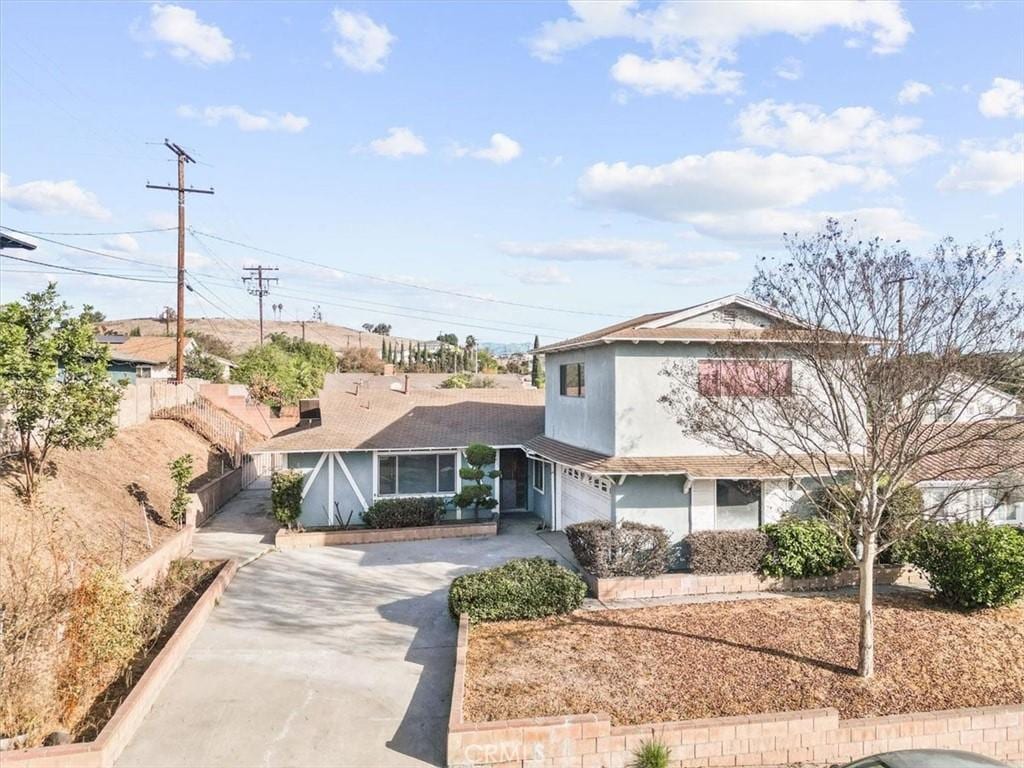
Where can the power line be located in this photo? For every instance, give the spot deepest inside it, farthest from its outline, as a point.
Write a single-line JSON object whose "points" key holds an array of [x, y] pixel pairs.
{"points": [[402, 282], [86, 271], [88, 250], [260, 288], [105, 234]]}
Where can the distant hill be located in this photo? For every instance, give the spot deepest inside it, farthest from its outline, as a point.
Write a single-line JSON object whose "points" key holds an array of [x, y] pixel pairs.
{"points": [[241, 335], [499, 349]]}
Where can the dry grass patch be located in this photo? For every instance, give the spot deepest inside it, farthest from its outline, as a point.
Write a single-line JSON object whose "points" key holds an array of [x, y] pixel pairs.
{"points": [[719, 659]]}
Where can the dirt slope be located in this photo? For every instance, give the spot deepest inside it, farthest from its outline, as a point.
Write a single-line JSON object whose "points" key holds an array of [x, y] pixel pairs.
{"points": [[244, 334], [94, 496]]}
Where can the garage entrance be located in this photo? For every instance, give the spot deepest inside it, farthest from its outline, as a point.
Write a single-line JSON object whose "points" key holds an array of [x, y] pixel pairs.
{"points": [[583, 497]]}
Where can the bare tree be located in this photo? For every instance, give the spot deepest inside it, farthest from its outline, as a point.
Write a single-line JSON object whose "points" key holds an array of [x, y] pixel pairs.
{"points": [[870, 377]]}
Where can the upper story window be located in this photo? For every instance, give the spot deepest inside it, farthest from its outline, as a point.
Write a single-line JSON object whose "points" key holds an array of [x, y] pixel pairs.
{"points": [[415, 473], [571, 382], [744, 378]]}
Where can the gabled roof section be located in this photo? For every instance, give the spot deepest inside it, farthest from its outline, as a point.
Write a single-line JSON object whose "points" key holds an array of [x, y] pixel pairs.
{"points": [[156, 350], [677, 325]]}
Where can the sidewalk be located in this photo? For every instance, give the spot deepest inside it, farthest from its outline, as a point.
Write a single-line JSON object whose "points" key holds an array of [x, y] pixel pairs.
{"points": [[242, 530]]}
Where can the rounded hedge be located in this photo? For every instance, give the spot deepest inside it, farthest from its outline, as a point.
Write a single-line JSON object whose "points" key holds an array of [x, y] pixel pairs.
{"points": [[725, 551], [802, 549], [630, 549], [404, 512], [520, 589], [971, 565]]}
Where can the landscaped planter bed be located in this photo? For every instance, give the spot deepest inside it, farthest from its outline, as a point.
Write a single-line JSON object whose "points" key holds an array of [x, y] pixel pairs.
{"points": [[741, 683], [117, 714], [680, 584], [286, 539]]}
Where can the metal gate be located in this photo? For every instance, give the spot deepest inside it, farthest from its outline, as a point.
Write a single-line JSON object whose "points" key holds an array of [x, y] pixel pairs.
{"points": [[257, 465]]}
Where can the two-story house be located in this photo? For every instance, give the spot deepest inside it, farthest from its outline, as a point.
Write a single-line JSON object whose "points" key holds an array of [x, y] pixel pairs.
{"points": [[597, 443]]}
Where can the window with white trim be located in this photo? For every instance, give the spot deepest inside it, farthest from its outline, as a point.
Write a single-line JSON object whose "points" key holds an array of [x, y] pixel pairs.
{"points": [[415, 474], [538, 475], [737, 504]]}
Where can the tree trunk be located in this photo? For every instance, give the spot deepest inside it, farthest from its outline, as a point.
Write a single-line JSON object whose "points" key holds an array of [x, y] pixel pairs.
{"points": [[866, 654]]}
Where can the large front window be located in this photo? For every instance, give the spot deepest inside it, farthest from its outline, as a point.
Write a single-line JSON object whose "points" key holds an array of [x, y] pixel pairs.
{"points": [[410, 474], [738, 504]]}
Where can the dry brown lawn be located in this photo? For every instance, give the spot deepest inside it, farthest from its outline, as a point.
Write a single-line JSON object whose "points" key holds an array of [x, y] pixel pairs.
{"points": [[718, 659]]}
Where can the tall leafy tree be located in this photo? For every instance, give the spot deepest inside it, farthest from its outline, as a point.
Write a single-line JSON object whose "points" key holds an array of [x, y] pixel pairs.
{"points": [[53, 381]]}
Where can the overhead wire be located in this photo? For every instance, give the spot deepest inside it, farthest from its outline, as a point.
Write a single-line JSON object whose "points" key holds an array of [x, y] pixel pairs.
{"points": [[86, 271]]}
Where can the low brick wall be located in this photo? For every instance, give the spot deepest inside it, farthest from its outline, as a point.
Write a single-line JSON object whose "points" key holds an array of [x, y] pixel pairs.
{"points": [[149, 570], [119, 730], [215, 494], [286, 539], [814, 736], [678, 584]]}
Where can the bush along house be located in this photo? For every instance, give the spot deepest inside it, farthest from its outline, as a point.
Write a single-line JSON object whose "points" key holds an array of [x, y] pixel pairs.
{"points": [[597, 443]]}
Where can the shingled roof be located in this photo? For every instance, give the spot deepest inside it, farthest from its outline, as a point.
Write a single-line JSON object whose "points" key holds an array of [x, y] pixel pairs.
{"points": [[146, 349], [378, 419], [695, 467]]}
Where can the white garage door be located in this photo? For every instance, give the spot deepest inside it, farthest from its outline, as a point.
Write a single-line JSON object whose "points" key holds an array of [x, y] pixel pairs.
{"points": [[583, 497]]}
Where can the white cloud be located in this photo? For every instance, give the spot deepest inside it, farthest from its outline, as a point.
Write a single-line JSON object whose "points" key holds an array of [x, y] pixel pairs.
{"points": [[549, 275], [245, 120], [767, 225], [1004, 99], [691, 40], [912, 91], [122, 243], [501, 150], [990, 167], [719, 181], [361, 43], [398, 143], [52, 197], [650, 254], [791, 68], [675, 76], [189, 38], [853, 133]]}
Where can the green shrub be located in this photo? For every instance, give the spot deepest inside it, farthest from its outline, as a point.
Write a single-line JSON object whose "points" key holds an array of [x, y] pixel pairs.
{"points": [[651, 754], [971, 565], [901, 519], [181, 475], [725, 551], [629, 549], [404, 513], [286, 496], [802, 549], [519, 589]]}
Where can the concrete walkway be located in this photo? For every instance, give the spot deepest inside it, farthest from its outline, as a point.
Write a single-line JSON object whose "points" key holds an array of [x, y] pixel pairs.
{"points": [[243, 530], [337, 656]]}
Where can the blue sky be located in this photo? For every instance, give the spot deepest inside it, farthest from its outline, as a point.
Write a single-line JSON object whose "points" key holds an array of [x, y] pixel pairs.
{"points": [[600, 159]]}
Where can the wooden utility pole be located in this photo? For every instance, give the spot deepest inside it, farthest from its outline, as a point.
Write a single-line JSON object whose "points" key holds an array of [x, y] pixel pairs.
{"points": [[260, 288], [899, 298], [181, 189]]}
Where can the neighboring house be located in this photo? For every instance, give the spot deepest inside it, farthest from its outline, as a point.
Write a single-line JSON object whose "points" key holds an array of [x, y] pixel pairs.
{"points": [[596, 444], [985, 482], [142, 357]]}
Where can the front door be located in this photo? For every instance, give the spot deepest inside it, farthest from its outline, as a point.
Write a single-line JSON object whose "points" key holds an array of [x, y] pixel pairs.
{"points": [[512, 464]]}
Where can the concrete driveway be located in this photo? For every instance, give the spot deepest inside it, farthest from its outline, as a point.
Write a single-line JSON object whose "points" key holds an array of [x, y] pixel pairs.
{"points": [[323, 657]]}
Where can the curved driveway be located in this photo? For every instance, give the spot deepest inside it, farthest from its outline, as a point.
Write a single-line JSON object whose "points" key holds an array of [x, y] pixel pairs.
{"points": [[339, 656]]}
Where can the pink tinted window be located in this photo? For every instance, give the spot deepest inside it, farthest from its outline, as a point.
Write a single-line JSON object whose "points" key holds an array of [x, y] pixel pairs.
{"points": [[744, 378]]}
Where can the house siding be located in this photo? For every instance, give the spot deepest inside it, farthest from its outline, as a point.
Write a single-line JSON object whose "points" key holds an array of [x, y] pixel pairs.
{"points": [[541, 503], [654, 500], [589, 421], [318, 508]]}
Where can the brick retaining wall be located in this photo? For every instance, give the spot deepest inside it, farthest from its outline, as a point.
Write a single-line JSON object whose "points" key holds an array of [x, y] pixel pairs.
{"points": [[119, 730], [815, 736], [677, 584], [286, 539]]}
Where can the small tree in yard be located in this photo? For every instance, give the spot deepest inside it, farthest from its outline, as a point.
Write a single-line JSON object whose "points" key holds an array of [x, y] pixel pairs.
{"points": [[479, 495], [181, 476], [53, 382], [536, 366], [875, 357]]}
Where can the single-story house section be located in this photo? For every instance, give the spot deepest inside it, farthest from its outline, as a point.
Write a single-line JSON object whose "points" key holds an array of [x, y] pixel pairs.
{"points": [[371, 443], [142, 357]]}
